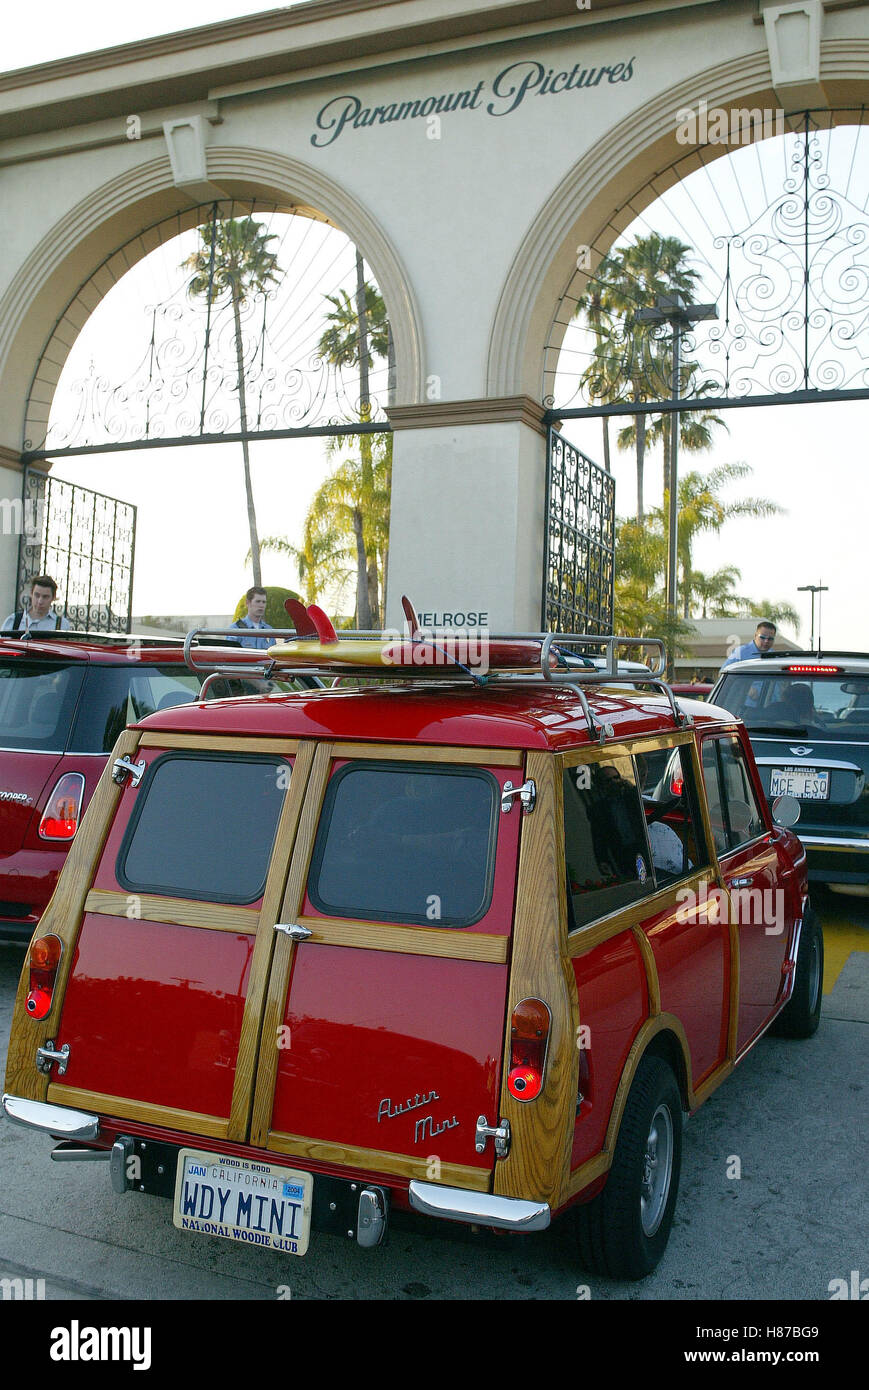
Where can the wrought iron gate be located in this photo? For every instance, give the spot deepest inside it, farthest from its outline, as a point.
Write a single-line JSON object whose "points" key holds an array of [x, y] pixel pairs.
{"points": [[85, 541], [579, 548]]}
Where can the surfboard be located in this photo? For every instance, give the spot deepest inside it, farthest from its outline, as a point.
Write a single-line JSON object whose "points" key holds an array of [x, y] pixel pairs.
{"points": [[444, 653]]}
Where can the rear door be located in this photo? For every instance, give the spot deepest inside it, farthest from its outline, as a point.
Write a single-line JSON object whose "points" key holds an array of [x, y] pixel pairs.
{"points": [[163, 1006], [383, 1029]]}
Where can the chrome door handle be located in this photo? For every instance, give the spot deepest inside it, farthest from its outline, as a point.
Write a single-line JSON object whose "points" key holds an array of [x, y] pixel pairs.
{"points": [[294, 930]]}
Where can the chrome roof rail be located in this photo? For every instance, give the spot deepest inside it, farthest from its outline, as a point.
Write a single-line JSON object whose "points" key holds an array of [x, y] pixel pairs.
{"points": [[560, 674]]}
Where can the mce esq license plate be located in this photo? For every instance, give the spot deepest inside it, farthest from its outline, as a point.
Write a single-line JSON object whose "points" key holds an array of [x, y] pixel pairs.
{"points": [[254, 1203], [805, 783]]}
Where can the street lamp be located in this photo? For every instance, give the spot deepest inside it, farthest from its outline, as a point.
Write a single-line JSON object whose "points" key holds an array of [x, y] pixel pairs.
{"points": [[672, 309], [814, 589]]}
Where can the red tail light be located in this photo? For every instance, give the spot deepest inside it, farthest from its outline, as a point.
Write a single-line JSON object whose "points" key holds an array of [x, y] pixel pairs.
{"points": [[61, 815], [815, 670], [676, 785], [45, 954], [529, 1041]]}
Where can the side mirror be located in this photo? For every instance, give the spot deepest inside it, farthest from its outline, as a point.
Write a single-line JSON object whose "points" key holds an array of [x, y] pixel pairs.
{"points": [[786, 811]]}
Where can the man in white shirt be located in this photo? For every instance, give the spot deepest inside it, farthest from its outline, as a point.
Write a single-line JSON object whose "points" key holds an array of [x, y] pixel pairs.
{"points": [[40, 618], [255, 598]]}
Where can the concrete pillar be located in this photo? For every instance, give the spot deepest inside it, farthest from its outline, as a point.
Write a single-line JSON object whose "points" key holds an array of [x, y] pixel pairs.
{"points": [[11, 521], [467, 520]]}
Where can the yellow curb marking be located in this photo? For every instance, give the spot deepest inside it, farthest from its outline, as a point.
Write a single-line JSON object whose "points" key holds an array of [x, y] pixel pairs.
{"points": [[840, 939]]}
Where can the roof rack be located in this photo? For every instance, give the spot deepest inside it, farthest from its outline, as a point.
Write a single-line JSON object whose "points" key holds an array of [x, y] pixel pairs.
{"points": [[452, 670], [106, 638]]}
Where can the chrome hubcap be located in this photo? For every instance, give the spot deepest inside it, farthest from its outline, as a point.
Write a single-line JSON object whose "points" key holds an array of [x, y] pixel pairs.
{"points": [[657, 1170]]}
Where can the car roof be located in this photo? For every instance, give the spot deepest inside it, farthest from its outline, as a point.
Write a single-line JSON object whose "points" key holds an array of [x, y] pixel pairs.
{"points": [[852, 661], [514, 714]]}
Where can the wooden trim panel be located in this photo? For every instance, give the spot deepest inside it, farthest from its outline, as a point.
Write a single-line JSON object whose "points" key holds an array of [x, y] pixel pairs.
{"points": [[377, 1161], [182, 912], [263, 952], [538, 1164], [600, 752], [652, 982], [215, 743], [123, 1108], [63, 917], [430, 753], [284, 948], [413, 941]]}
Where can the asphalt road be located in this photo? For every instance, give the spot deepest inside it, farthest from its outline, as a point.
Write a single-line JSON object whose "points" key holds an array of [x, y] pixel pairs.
{"points": [[795, 1115]]}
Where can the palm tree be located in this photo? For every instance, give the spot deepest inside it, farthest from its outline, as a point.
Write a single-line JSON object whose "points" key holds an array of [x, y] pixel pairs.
{"points": [[356, 329], [233, 255], [627, 362], [714, 593], [700, 508], [348, 518]]}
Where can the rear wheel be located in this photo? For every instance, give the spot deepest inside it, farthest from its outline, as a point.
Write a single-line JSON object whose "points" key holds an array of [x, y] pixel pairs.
{"points": [[623, 1232], [801, 1015]]}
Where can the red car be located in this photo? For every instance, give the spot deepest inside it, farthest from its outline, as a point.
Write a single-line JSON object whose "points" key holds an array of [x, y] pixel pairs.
{"points": [[457, 945], [692, 690], [64, 699]]}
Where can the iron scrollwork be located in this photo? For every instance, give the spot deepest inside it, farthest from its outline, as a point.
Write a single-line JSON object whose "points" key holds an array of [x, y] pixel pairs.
{"points": [[580, 542], [85, 541]]}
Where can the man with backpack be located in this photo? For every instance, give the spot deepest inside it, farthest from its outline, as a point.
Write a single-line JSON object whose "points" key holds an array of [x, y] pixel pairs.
{"points": [[40, 617]]}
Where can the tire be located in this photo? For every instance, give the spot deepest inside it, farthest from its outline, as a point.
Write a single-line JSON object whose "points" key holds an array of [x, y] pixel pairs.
{"points": [[802, 1013], [623, 1232]]}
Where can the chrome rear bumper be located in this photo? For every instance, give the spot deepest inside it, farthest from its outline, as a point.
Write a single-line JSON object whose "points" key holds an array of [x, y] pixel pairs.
{"points": [[51, 1119], [478, 1208]]}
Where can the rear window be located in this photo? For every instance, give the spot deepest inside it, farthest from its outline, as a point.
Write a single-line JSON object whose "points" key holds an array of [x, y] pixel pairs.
{"points": [[116, 696], [37, 703], [834, 706], [406, 844], [204, 827]]}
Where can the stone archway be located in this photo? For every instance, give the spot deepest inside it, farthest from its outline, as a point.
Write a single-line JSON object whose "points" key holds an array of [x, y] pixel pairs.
{"points": [[629, 166], [68, 273]]}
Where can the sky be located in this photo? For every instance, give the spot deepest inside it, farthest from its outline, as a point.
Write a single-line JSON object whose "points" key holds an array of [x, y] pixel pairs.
{"points": [[52, 29], [810, 459]]}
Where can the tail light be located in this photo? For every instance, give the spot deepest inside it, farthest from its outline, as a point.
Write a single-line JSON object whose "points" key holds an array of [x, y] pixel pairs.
{"points": [[815, 670], [61, 815], [45, 954], [676, 784], [529, 1041]]}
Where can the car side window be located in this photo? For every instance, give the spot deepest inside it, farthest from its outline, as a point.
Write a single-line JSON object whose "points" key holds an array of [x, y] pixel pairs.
{"points": [[733, 807], [606, 846], [670, 803]]}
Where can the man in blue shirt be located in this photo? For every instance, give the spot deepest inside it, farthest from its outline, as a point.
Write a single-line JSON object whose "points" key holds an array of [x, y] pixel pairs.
{"points": [[255, 598], [760, 645]]}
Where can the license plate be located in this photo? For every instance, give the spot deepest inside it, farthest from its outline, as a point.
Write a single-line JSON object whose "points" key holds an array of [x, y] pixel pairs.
{"points": [[805, 783], [253, 1203]]}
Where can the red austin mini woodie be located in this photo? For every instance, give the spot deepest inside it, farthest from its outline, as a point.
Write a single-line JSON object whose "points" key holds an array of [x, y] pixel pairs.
{"points": [[467, 943]]}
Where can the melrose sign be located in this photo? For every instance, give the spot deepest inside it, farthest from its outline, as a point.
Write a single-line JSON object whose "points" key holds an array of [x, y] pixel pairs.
{"points": [[509, 90]]}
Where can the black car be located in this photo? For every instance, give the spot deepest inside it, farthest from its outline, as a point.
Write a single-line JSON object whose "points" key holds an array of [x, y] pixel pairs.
{"points": [[808, 720]]}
